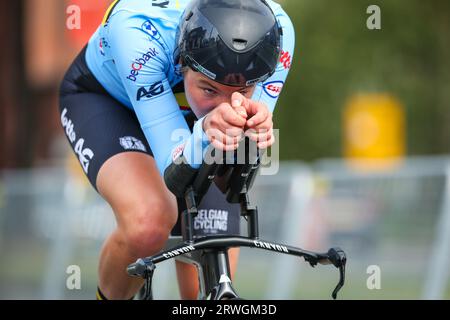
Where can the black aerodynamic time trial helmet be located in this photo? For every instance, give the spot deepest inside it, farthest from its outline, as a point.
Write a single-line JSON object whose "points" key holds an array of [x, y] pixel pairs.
{"points": [[233, 42]]}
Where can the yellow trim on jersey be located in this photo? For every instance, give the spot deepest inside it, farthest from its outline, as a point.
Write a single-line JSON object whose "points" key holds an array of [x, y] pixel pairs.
{"points": [[181, 99], [108, 11]]}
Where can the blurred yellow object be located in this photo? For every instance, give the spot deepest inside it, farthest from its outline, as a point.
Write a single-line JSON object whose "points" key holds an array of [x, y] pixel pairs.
{"points": [[374, 131], [75, 170]]}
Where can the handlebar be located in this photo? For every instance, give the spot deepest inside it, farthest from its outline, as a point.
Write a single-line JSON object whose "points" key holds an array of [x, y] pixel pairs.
{"points": [[144, 268]]}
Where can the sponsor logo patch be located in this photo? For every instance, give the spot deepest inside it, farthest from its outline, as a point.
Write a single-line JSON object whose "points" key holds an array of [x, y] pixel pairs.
{"points": [[211, 221], [285, 59], [179, 251], [145, 93], [273, 88], [132, 143], [151, 30], [139, 63], [85, 155]]}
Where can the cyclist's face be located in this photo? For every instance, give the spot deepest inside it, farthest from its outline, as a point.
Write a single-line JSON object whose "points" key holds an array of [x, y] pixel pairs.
{"points": [[203, 94]]}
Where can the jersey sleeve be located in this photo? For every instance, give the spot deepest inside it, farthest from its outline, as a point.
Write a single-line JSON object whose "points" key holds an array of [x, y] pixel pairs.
{"points": [[141, 60], [269, 91]]}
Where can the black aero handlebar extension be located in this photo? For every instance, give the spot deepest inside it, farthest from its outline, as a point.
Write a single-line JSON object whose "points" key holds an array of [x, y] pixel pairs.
{"points": [[230, 178]]}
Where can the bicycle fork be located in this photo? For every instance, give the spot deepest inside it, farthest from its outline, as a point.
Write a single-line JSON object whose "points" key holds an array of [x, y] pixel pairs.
{"points": [[214, 268]]}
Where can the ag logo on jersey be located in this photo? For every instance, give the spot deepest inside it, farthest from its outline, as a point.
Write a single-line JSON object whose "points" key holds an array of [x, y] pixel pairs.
{"points": [[152, 91], [273, 88], [150, 29]]}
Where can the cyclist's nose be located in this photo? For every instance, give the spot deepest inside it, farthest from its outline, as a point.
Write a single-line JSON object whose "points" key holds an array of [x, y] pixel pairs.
{"points": [[224, 98]]}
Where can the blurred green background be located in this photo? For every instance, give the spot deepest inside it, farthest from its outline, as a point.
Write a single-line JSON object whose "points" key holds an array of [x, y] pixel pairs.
{"points": [[337, 55]]}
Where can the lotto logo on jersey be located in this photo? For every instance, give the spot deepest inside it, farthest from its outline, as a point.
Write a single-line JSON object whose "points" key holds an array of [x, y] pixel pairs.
{"points": [[150, 29], [285, 59], [85, 155], [145, 93], [273, 89]]}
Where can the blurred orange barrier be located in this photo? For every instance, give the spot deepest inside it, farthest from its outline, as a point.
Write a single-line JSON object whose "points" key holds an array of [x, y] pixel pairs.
{"points": [[48, 28], [374, 131], [92, 13]]}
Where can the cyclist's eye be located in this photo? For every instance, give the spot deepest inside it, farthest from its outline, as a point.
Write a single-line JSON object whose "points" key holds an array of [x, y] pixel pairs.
{"points": [[209, 92]]}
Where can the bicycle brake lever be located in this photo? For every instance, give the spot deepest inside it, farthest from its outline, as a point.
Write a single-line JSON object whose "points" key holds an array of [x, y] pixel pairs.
{"points": [[148, 294], [338, 258], [143, 270], [341, 282]]}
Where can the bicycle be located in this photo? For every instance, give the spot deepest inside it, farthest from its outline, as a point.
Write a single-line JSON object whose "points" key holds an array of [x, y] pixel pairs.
{"points": [[209, 253]]}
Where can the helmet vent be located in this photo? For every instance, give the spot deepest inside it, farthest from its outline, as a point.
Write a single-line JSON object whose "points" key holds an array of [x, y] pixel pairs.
{"points": [[239, 44]]}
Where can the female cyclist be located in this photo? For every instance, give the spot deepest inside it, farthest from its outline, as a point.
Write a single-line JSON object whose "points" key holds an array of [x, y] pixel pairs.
{"points": [[160, 81]]}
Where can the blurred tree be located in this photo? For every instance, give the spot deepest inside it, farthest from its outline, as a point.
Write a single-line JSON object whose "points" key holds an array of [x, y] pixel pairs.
{"points": [[336, 56], [32, 65], [12, 90]]}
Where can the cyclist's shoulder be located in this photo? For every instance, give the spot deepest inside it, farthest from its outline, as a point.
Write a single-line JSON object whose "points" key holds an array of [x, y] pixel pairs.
{"points": [[285, 22], [137, 23], [165, 14]]}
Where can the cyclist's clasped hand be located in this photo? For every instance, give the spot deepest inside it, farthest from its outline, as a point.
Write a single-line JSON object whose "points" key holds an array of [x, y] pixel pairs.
{"points": [[226, 124], [259, 124]]}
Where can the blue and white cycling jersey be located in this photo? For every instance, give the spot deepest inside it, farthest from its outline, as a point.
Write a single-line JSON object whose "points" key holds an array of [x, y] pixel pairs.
{"points": [[132, 55]]}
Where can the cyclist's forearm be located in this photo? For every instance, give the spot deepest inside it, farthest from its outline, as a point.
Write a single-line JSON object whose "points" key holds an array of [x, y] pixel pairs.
{"points": [[196, 145]]}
